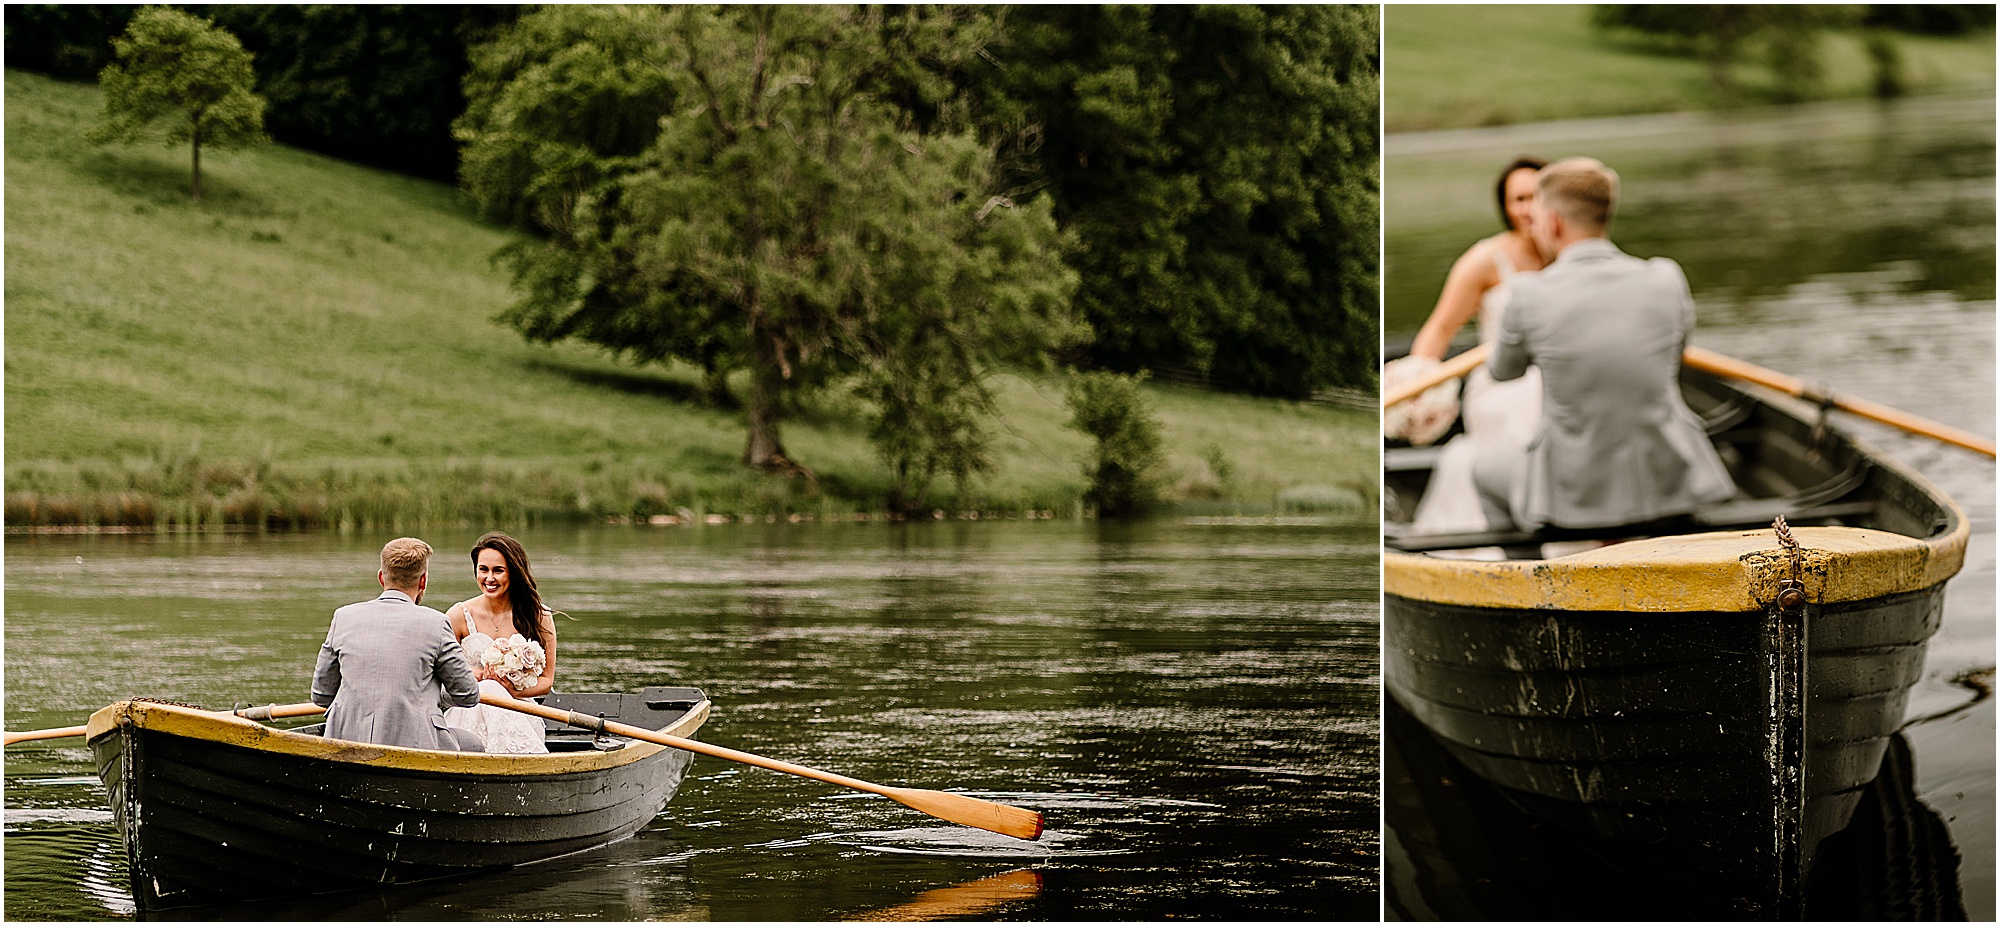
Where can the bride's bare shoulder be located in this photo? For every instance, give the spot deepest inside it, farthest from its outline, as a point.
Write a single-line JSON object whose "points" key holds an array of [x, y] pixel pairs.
{"points": [[456, 615], [1477, 261], [1487, 245]]}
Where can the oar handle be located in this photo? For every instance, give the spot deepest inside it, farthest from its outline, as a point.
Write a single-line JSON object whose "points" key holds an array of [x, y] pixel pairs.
{"points": [[1709, 361], [267, 712], [1450, 369], [25, 736]]}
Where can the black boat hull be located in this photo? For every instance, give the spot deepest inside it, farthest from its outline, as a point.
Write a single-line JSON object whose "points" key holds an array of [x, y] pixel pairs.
{"points": [[1662, 732]]}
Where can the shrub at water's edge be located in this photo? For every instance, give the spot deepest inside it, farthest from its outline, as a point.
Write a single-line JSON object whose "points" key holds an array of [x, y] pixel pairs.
{"points": [[313, 345], [1125, 462]]}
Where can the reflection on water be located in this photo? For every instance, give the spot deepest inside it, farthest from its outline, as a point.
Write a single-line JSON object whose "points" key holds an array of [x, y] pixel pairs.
{"points": [[964, 901], [1850, 244], [954, 841], [1192, 707]]}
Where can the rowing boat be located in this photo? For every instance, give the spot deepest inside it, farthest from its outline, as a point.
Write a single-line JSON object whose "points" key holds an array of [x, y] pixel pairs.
{"points": [[213, 807], [1716, 691]]}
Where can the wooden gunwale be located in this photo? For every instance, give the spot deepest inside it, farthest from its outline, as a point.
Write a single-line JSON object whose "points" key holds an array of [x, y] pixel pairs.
{"points": [[235, 731]]}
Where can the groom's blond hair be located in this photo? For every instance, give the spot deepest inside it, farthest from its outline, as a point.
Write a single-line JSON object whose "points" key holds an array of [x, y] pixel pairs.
{"points": [[1582, 190], [404, 561]]}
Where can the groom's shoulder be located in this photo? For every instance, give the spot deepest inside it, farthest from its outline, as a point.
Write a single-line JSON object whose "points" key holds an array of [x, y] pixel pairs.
{"points": [[1667, 271], [396, 608], [1664, 269]]}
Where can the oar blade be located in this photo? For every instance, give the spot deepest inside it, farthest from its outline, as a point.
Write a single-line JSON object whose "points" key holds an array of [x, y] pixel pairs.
{"points": [[1017, 822]]}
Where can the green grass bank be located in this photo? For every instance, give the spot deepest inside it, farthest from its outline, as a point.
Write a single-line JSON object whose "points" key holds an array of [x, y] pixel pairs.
{"points": [[1467, 66], [312, 346]]}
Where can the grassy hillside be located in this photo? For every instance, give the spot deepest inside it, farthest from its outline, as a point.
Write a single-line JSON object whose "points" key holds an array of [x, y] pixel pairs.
{"points": [[1451, 66], [312, 345]]}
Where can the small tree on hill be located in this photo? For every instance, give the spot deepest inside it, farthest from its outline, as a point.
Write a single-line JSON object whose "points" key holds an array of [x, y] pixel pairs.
{"points": [[175, 66]]}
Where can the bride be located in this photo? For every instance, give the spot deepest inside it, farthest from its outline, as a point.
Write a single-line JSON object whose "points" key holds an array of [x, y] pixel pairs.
{"points": [[1491, 411], [507, 605]]}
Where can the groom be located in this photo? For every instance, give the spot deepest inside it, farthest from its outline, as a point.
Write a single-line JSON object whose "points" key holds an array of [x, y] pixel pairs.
{"points": [[1617, 444], [385, 661]]}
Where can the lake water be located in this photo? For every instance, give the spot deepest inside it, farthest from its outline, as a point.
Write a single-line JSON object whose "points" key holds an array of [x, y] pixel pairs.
{"points": [[1846, 243], [1192, 706]]}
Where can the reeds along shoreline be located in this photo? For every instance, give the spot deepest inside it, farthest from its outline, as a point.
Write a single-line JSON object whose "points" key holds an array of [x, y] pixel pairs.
{"points": [[259, 496], [228, 494]]}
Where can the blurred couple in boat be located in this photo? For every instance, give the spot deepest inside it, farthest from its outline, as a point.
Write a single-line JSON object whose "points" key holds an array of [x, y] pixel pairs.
{"points": [[390, 666], [1576, 419]]}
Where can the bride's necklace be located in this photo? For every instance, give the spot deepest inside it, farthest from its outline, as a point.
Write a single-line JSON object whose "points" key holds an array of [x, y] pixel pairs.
{"points": [[499, 624]]}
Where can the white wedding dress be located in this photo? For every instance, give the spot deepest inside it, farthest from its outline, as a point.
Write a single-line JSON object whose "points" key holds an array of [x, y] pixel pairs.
{"points": [[1495, 414], [504, 731]]}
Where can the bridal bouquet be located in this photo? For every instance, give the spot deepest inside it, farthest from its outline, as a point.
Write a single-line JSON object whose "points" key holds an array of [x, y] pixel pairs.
{"points": [[517, 659], [1425, 417]]}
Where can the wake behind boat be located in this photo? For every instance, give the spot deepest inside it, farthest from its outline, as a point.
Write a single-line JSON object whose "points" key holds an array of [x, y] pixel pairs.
{"points": [[1713, 692], [213, 807]]}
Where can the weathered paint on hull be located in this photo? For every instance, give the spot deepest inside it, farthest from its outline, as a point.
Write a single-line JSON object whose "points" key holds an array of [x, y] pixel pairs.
{"points": [[1677, 735], [210, 815]]}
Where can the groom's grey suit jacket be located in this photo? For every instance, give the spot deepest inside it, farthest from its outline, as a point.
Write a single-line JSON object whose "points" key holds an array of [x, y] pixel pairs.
{"points": [[382, 668], [1617, 445]]}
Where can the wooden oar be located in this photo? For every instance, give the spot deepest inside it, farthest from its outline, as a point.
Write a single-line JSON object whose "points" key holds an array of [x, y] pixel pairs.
{"points": [[267, 712], [1451, 369], [28, 735], [1709, 361], [956, 808]]}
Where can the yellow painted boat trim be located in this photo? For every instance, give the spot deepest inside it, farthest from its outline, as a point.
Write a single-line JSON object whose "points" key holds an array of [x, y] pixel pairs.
{"points": [[230, 730], [1728, 571]]}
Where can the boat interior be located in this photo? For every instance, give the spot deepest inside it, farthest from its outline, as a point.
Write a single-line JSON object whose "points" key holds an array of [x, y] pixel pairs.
{"points": [[652, 708], [1784, 456]]}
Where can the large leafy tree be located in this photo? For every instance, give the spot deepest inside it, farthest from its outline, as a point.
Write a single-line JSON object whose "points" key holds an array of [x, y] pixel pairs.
{"points": [[737, 189], [1219, 167], [181, 69]]}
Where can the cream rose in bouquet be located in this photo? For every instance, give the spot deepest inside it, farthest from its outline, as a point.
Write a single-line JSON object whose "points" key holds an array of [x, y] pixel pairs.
{"points": [[517, 659], [1425, 417]]}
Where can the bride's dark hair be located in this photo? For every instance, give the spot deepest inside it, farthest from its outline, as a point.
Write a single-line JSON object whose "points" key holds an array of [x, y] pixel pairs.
{"points": [[1524, 162], [522, 595]]}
